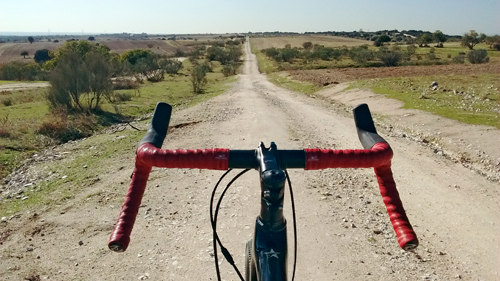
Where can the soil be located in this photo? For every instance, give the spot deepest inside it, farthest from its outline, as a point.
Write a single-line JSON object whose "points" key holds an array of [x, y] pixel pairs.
{"points": [[343, 230]]}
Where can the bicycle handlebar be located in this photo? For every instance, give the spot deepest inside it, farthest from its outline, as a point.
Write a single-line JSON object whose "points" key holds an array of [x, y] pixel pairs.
{"points": [[377, 154]]}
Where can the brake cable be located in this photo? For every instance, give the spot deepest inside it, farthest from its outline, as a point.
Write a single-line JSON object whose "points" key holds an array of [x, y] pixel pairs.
{"points": [[213, 220]]}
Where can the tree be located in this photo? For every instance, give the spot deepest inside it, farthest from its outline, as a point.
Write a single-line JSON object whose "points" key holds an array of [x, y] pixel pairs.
{"points": [[91, 38], [471, 39], [439, 38], [31, 39], [41, 56], [424, 40], [307, 45], [24, 54]]}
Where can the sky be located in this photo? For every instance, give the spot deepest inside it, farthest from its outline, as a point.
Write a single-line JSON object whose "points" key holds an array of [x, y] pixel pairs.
{"points": [[453, 17]]}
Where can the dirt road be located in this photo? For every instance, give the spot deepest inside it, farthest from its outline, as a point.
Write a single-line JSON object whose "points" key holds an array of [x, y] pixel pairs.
{"points": [[344, 232]]}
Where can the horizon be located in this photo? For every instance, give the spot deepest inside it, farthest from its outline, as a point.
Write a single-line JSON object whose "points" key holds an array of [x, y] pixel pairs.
{"points": [[92, 17]]}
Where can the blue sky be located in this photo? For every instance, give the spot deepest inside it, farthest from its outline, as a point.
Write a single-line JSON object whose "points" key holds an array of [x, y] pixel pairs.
{"points": [[224, 16]]}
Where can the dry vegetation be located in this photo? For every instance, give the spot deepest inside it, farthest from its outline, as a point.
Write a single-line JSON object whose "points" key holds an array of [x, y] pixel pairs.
{"points": [[297, 41]]}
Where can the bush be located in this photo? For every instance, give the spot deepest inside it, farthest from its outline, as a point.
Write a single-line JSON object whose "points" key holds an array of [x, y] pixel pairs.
{"points": [[7, 101], [458, 59], [198, 79], [478, 56], [62, 129], [390, 58], [496, 46], [361, 54], [171, 66], [229, 69], [21, 71], [125, 84]]}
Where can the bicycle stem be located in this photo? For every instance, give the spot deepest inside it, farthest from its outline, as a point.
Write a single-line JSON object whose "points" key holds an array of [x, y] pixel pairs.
{"points": [[272, 181]]}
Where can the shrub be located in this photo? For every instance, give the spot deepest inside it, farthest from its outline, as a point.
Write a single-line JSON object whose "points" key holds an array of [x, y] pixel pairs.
{"points": [[125, 84], [198, 79], [458, 59], [495, 46], [171, 66], [179, 53], [390, 58], [5, 127], [478, 56], [62, 129], [229, 69], [7, 101], [21, 71], [360, 54], [122, 96]]}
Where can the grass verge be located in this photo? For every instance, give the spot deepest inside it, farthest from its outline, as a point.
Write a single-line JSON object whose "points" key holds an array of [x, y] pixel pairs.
{"points": [[472, 99]]}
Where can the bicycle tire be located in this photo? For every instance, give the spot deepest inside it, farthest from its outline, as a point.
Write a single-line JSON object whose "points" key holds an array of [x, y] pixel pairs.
{"points": [[250, 273]]}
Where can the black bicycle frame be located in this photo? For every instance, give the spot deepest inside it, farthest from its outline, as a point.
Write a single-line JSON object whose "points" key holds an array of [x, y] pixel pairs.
{"points": [[269, 251]]}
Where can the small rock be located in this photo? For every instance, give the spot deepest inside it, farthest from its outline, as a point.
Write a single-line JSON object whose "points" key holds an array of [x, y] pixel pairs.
{"points": [[377, 231], [29, 249], [353, 225], [80, 243], [4, 219], [442, 254]]}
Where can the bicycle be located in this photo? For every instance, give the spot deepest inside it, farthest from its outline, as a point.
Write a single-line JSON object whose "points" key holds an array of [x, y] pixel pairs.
{"points": [[266, 253]]}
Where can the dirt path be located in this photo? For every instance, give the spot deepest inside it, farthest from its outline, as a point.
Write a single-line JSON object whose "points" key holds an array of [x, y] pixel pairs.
{"points": [[344, 232], [22, 86]]}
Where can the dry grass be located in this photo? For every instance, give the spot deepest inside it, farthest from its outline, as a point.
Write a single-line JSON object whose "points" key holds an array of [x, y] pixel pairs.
{"points": [[297, 41]]}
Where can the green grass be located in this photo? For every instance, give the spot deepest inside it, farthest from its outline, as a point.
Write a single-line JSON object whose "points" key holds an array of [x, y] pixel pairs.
{"points": [[479, 106], [88, 162], [7, 82], [20, 121], [281, 80]]}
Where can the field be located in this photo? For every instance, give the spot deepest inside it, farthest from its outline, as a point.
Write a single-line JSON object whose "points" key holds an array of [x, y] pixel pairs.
{"points": [[23, 112], [467, 92], [296, 41], [12, 51]]}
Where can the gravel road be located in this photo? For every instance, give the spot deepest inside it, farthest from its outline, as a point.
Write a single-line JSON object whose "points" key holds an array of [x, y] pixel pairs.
{"points": [[344, 232]]}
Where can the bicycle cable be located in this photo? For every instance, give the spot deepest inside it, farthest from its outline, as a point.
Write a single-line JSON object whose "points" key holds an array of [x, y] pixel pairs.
{"points": [[213, 220], [294, 224]]}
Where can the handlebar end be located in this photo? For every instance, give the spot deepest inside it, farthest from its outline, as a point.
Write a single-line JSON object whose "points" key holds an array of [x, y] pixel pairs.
{"points": [[366, 128], [116, 247]]}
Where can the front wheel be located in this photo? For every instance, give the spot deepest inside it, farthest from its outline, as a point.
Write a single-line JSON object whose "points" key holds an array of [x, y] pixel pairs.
{"points": [[250, 273]]}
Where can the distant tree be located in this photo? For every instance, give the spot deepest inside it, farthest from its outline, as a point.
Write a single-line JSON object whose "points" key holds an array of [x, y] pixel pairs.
{"points": [[91, 38], [307, 45], [471, 39], [24, 54], [41, 56], [439, 38], [424, 40], [31, 39]]}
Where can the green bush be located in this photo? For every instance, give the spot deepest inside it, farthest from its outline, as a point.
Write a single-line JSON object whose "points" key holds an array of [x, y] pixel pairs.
{"points": [[21, 71], [7, 101], [361, 54], [390, 58], [198, 79], [478, 56], [458, 59]]}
